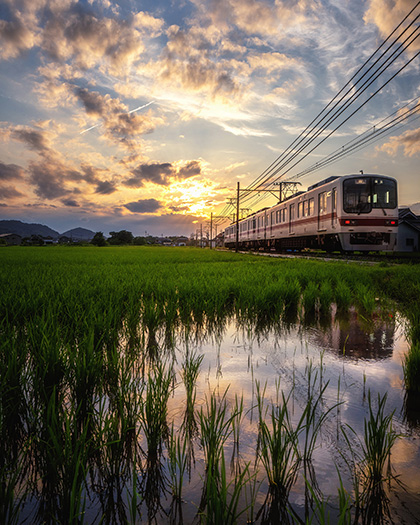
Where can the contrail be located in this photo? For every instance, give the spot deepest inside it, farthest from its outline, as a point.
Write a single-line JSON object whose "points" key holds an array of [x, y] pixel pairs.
{"points": [[128, 113]]}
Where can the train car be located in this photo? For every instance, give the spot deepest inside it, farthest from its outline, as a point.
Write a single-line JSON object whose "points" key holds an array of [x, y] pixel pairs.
{"points": [[345, 213]]}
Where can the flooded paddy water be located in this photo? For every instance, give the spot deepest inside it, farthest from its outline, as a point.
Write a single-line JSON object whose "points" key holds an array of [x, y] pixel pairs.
{"points": [[206, 389], [343, 366]]}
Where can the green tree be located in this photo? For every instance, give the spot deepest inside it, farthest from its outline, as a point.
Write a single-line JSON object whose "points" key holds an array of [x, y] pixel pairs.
{"points": [[121, 237], [99, 239], [139, 241]]}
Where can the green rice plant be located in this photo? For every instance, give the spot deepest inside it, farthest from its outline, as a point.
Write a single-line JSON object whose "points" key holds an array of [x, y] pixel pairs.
{"points": [[215, 428], [291, 294], [189, 373], [177, 463], [411, 367], [154, 410], [237, 414], [310, 299], [12, 470], [278, 450], [342, 296], [366, 299], [325, 297], [223, 497], [371, 468]]}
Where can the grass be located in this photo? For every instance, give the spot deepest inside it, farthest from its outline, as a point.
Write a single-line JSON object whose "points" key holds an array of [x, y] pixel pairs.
{"points": [[87, 370]]}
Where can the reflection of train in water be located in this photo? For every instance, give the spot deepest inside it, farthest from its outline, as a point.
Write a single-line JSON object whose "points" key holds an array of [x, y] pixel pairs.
{"points": [[352, 212]]}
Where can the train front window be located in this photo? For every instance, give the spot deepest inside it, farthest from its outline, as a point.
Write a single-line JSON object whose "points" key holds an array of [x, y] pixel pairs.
{"points": [[357, 195], [364, 193], [384, 193]]}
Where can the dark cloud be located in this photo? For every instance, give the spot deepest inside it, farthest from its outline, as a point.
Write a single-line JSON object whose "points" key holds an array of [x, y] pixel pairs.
{"points": [[190, 169], [143, 206], [93, 102], [162, 173], [8, 192], [14, 38], [105, 187], [156, 173], [36, 140], [49, 179], [71, 203], [3, 205], [10, 171]]}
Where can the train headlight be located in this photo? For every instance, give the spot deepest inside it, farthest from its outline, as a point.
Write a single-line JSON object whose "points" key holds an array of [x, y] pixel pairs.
{"points": [[391, 223], [350, 222]]}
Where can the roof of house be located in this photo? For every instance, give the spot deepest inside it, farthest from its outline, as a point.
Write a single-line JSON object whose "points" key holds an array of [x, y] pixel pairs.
{"points": [[406, 216]]}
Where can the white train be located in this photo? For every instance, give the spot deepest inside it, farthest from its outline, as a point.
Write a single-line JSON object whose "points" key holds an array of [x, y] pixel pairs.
{"points": [[347, 213]]}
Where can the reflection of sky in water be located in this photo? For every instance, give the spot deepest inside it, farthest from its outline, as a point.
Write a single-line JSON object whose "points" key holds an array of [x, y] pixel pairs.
{"points": [[351, 355]]}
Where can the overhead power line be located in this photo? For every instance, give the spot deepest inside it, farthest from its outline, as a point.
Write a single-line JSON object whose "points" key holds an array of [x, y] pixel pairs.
{"points": [[342, 101]]}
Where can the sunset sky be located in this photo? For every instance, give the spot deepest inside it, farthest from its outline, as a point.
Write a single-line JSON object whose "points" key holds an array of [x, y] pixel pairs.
{"points": [[144, 115]]}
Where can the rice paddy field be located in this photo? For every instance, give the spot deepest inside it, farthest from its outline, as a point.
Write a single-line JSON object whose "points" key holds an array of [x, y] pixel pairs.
{"points": [[188, 386]]}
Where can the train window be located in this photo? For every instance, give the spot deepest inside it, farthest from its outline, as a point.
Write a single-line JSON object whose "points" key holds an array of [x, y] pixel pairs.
{"points": [[384, 193], [305, 209], [322, 202], [284, 214], [300, 209], [334, 199], [311, 206], [357, 195]]}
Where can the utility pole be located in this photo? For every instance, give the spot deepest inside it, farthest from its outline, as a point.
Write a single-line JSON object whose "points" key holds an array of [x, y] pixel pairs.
{"points": [[237, 217], [211, 229]]}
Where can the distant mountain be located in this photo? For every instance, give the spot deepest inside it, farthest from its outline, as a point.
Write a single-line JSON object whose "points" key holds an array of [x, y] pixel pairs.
{"points": [[27, 229], [79, 234]]}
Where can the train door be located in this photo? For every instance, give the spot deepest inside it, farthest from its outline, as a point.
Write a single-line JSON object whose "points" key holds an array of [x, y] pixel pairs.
{"points": [[334, 207], [292, 218], [322, 211]]}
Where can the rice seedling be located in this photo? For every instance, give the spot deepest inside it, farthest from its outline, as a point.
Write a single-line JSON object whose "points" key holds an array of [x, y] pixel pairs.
{"points": [[371, 467], [342, 296], [309, 300], [325, 298], [366, 299], [278, 452], [223, 497]]}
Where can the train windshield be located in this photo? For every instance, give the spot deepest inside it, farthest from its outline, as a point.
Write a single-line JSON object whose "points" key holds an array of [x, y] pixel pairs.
{"points": [[364, 193]]}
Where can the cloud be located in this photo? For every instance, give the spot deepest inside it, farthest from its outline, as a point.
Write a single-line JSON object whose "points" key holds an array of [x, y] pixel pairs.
{"points": [[105, 187], [409, 141], [16, 37], [191, 169], [10, 171], [36, 140], [189, 60], [8, 192], [385, 17], [120, 124], [162, 173], [143, 206], [79, 35], [71, 203], [155, 173]]}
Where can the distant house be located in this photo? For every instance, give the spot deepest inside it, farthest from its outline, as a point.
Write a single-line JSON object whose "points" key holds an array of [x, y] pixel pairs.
{"points": [[181, 241], [64, 239], [12, 239], [408, 231]]}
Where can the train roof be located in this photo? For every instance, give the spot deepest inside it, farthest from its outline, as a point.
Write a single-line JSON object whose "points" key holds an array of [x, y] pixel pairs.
{"points": [[322, 182]]}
